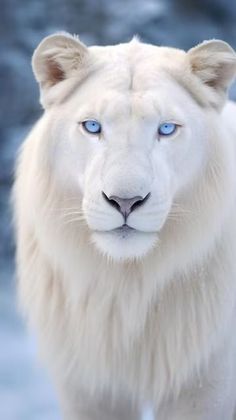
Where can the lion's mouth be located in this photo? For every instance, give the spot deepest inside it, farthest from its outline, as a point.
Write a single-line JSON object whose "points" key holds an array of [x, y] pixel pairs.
{"points": [[124, 231], [124, 228]]}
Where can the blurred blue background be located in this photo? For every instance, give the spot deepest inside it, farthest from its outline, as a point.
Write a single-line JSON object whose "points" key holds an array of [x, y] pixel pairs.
{"points": [[25, 390]]}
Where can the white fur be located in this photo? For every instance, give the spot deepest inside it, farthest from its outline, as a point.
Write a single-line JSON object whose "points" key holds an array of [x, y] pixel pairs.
{"points": [[146, 316]]}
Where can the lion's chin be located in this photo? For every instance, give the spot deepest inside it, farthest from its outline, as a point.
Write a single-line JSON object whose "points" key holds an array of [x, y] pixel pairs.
{"points": [[124, 244]]}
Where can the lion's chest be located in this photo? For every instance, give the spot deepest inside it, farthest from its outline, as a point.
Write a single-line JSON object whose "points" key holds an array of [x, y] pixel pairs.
{"points": [[138, 347]]}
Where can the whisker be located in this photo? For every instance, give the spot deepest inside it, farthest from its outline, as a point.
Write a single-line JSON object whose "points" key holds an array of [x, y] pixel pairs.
{"points": [[174, 218], [176, 206], [101, 212], [63, 211], [71, 199], [70, 221], [65, 208], [72, 213]]}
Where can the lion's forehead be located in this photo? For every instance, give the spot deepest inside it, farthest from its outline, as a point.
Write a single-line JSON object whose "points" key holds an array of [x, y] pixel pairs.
{"points": [[115, 104], [135, 66], [130, 79]]}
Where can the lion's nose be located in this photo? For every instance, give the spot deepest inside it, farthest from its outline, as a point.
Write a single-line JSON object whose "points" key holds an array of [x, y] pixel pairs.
{"points": [[125, 205]]}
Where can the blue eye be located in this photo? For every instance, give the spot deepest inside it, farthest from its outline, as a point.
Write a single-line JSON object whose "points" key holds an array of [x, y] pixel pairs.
{"points": [[167, 128], [92, 126]]}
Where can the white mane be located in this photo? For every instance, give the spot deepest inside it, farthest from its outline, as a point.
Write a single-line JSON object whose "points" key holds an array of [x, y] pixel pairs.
{"points": [[138, 313]]}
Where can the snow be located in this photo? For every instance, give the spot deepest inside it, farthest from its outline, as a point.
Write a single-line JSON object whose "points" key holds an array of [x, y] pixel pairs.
{"points": [[25, 389]]}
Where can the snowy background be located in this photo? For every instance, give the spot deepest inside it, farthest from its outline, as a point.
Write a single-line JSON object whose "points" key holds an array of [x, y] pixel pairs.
{"points": [[25, 390]]}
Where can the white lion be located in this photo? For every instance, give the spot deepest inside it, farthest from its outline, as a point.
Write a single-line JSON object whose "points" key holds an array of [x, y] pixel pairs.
{"points": [[125, 200]]}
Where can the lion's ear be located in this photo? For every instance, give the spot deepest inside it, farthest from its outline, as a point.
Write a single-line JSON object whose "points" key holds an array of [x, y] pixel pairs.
{"points": [[214, 63], [57, 58]]}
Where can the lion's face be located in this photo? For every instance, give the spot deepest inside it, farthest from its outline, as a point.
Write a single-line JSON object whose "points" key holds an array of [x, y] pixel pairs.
{"points": [[130, 140], [128, 158]]}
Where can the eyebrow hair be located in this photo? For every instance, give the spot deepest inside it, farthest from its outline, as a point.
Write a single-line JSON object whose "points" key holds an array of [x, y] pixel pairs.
{"points": [[75, 83], [198, 91]]}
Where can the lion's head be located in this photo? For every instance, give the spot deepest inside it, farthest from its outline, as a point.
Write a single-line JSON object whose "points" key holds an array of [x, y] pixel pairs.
{"points": [[128, 130]]}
